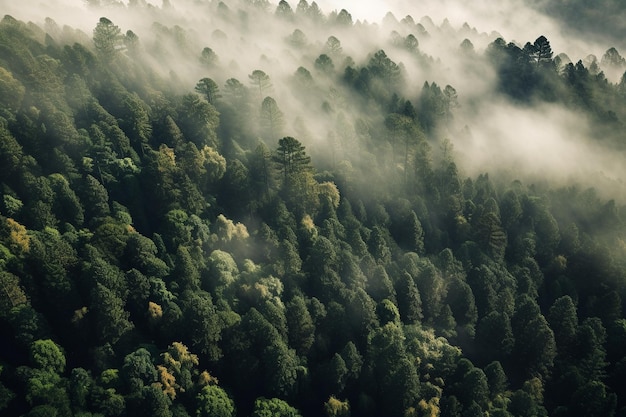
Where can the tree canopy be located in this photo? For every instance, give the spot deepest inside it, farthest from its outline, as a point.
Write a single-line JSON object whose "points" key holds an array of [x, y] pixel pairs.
{"points": [[176, 242]]}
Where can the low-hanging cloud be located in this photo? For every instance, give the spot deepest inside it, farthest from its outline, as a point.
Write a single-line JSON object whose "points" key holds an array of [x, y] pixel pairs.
{"points": [[532, 140], [544, 142]]}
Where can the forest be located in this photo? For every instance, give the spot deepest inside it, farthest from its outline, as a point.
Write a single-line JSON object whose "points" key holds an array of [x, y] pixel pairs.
{"points": [[241, 208]]}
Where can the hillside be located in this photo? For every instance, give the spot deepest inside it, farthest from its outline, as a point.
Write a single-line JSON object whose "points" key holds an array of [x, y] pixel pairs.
{"points": [[243, 208]]}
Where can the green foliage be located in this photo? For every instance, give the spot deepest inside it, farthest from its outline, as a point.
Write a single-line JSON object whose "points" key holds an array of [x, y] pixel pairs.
{"points": [[355, 270], [199, 121], [110, 319], [47, 356], [300, 324], [290, 157], [213, 401], [273, 407], [107, 38], [209, 89], [138, 370]]}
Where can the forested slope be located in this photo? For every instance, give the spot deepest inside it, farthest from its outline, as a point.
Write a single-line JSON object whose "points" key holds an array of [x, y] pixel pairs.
{"points": [[177, 248]]}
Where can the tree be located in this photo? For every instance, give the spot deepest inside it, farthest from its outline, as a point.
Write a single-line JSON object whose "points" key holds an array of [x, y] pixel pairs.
{"points": [[489, 232], [181, 364], [11, 95], [213, 401], [336, 408], [409, 300], [381, 66], [301, 326], [406, 133], [379, 285], [108, 38], [411, 43], [284, 11], [612, 58], [395, 376], [333, 45], [593, 400], [496, 378], [461, 300], [236, 92], [563, 321], [138, 370], [291, 158], [510, 210], [199, 121], [344, 18], [111, 320], [66, 206], [131, 42], [185, 271], [281, 369], [474, 388], [135, 122], [432, 290], [534, 340], [590, 352], [271, 118], [209, 89], [80, 385], [47, 356], [11, 293], [387, 312], [260, 80], [297, 39], [95, 198], [542, 51], [302, 8], [150, 401], [208, 57], [11, 152], [495, 336], [314, 13], [324, 64], [378, 246], [273, 407], [203, 323], [303, 79]]}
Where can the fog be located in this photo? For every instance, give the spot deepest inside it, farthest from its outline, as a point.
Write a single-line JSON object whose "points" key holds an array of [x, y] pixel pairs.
{"points": [[488, 132], [544, 141]]}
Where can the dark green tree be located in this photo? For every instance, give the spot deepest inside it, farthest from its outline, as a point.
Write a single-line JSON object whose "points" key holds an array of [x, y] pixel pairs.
{"points": [[300, 324], [209, 89], [409, 300], [291, 158], [199, 121], [213, 401], [202, 324], [110, 318], [563, 320], [273, 407], [542, 51], [138, 370]]}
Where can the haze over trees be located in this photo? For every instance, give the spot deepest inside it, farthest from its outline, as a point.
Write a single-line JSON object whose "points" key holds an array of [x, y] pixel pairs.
{"points": [[271, 217]]}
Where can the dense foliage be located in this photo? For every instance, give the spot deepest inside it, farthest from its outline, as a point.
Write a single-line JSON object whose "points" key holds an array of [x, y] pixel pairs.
{"points": [[176, 250]]}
